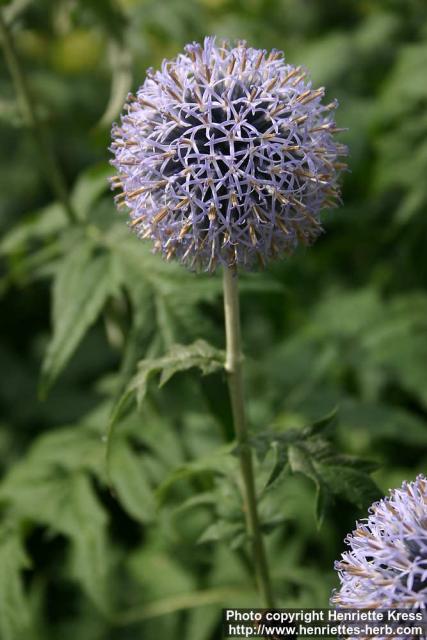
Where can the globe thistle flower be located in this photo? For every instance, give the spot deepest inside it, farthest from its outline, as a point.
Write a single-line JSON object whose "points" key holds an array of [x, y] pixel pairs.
{"points": [[386, 566], [226, 156]]}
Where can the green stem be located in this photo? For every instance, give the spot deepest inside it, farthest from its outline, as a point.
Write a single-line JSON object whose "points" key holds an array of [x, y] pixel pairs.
{"points": [[233, 367], [29, 113]]}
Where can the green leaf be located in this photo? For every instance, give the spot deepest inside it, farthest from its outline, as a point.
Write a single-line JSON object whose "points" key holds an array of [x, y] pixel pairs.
{"points": [[323, 501], [71, 449], [264, 440], [324, 426], [382, 422], [352, 462], [10, 113], [267, 526], [333, 474], [205, 499], [130, 482], [221, 462], [406, 84], [231, 532], [168, 605], [202, 623], [351, 484], [90, 559], [81, 287], [90, 185], [300, 461], [67, 504], [120, 59], [14, 606], [36, 227], [347, 314], [160, 573], [397, 346], [167, 279], [200, 354], [280, 464]]}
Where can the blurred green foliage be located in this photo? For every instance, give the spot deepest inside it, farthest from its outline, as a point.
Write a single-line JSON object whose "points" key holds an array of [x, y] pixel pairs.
{"points": [[342, 324]]}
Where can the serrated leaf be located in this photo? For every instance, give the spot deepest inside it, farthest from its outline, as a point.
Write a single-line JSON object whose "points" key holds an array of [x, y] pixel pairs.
{"points": [[353, 485], [200, 354], [14, 606], [263, 441], [67, 504], [324, 426], [334, 474], [81, 287]]}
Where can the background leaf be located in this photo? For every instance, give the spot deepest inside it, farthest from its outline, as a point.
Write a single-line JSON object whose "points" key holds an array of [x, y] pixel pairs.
{"points": [[200, 354], [14, 607], [81, 288]]}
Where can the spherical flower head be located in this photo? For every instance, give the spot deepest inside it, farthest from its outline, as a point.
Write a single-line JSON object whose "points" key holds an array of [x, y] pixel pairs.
{"points": [[386, 566], [226, 156]]}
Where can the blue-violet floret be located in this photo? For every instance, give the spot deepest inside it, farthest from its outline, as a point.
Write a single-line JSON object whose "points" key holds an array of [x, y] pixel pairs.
{"points": [[386, 564], [226, 156]]}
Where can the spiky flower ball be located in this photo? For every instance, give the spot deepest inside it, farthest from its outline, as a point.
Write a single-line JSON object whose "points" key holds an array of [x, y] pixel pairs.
{"points": [[386, 566], [226, 155]]}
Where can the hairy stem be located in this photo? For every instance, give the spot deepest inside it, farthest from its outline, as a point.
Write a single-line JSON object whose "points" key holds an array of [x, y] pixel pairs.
{"points": [[233, 367], [26, 104]]}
